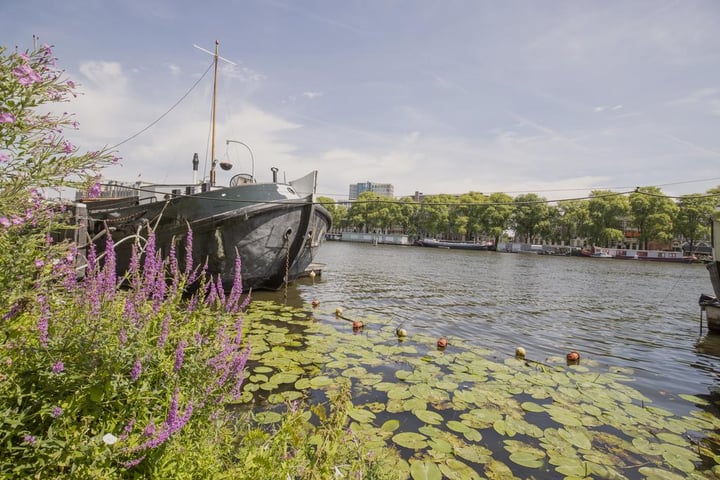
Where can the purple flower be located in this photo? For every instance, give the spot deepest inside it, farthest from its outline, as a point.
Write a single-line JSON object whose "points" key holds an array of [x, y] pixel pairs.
{"points": [[6, 117], [4, 222], [58, 367], [149, 430], [42, 323], [165, 330], [132, 463], [56, 412], [68, 148], [136, 370], [29, 439], [4, 157], [95, 189], [26, 75], [179, 355], [39, 263]]}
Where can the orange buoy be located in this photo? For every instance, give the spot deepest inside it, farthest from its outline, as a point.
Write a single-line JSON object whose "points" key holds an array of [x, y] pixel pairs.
{"points": [[573, 357], [316, 303], [442, 342], [357, 325]]}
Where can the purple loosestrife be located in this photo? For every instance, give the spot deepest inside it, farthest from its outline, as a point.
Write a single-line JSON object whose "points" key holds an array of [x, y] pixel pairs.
{"points": [[56, 412], [29, 439], [150, 267], [174, 270], [220, 291], [109, 271], [180, 355], [43, 319], [136, 370], [231, 305], [58, 367], [188, 256], [134, 269], [165, 330]]}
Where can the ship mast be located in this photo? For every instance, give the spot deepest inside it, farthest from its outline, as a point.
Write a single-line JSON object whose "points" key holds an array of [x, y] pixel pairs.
{"points": [[213, 161]]}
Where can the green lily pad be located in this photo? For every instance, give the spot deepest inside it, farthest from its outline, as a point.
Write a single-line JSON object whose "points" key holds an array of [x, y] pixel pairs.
{"points": [[424, 470], [427, 416], [411, 440]]}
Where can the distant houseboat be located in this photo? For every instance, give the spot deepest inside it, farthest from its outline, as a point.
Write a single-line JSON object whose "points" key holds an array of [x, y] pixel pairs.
{"points": [[646, 255]]}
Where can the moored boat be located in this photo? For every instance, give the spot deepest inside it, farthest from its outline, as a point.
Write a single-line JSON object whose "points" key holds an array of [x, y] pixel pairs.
{"points": [[433, 243], [275, 227], [644, 255]]}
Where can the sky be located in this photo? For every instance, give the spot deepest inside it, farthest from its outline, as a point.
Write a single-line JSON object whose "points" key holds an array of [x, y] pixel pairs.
{"points": [[552, 97]]}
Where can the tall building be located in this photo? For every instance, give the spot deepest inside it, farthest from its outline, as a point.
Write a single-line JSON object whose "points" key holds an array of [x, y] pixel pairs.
{"points": [[381, 189]]}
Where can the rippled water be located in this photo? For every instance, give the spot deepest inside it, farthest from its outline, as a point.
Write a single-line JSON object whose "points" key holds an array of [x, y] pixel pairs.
{"points": [[634, 314]]}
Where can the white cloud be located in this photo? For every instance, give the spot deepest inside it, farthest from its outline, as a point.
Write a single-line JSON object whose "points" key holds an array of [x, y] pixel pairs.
{"points": [[312, 95]]}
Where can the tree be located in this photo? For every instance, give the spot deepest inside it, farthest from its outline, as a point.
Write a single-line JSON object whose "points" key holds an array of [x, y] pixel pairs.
{"points": [[338, 213], [692, 220], [530, 216], [652, 213], [574, 221], [473, 205], [607, 210], [434, 215], [496, 215]]}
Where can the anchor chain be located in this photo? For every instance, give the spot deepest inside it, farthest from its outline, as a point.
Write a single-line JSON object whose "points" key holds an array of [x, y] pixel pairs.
{"points": [[287, 262]]}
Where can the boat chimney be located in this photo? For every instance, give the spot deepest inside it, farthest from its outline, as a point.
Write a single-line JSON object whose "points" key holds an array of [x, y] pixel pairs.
{"points": [[274, 170], [196, 163]]}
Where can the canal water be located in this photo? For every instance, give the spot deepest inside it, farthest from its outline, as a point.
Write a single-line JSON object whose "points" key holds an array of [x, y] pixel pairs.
{"points": [[633, 314]]}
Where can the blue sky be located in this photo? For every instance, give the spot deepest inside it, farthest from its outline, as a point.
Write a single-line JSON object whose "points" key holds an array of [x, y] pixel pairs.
{"points": [[553, 97]]}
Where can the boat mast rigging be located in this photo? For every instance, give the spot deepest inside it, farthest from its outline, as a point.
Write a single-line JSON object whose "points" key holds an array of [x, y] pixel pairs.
{"points": [[213, 160]]}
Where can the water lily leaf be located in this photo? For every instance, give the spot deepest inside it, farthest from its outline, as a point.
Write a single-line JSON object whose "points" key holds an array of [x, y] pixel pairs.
{"points": [[457, 470], [267, 417], [411, 440], [457, 426], [440, 445], [673, 439], [399, 392], [302, 384], [321, 381], [576, 437], [653, 473], [284, 377], [424, 470], [532, 407], [694, 399], [678, 462], [360, 415], [527, 459], [427, 416], [390, 425], [262, 369], [496, 470]]}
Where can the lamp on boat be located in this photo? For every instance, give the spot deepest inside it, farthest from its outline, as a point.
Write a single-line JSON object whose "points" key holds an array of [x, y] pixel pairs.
{"points": [[252, 157]]}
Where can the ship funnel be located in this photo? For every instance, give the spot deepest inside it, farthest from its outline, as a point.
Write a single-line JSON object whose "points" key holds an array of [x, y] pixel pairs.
{"points": [[196, 164], [274, 170]]}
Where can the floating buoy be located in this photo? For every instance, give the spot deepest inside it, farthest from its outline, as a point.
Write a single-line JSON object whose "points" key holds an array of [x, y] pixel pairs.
{"points": [[573, 357], [312, 273], [442, 342], [316, 303], [401, 333], [357, 325], [339, 311], [520, 353]]}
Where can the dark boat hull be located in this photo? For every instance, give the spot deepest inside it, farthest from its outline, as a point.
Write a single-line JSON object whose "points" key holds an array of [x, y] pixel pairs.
{"points": [[272, 228], [429, 242]]}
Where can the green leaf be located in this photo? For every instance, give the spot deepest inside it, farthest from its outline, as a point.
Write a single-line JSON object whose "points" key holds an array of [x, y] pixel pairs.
{"points": [[424, 470]]}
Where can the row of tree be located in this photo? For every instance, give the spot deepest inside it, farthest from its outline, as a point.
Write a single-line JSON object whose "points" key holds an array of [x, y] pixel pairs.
{"points": [[604, 218]]}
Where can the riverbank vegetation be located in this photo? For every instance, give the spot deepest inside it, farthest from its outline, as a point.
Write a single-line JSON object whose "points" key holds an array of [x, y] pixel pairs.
{"points": [[144, 381], [606, 218]]}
